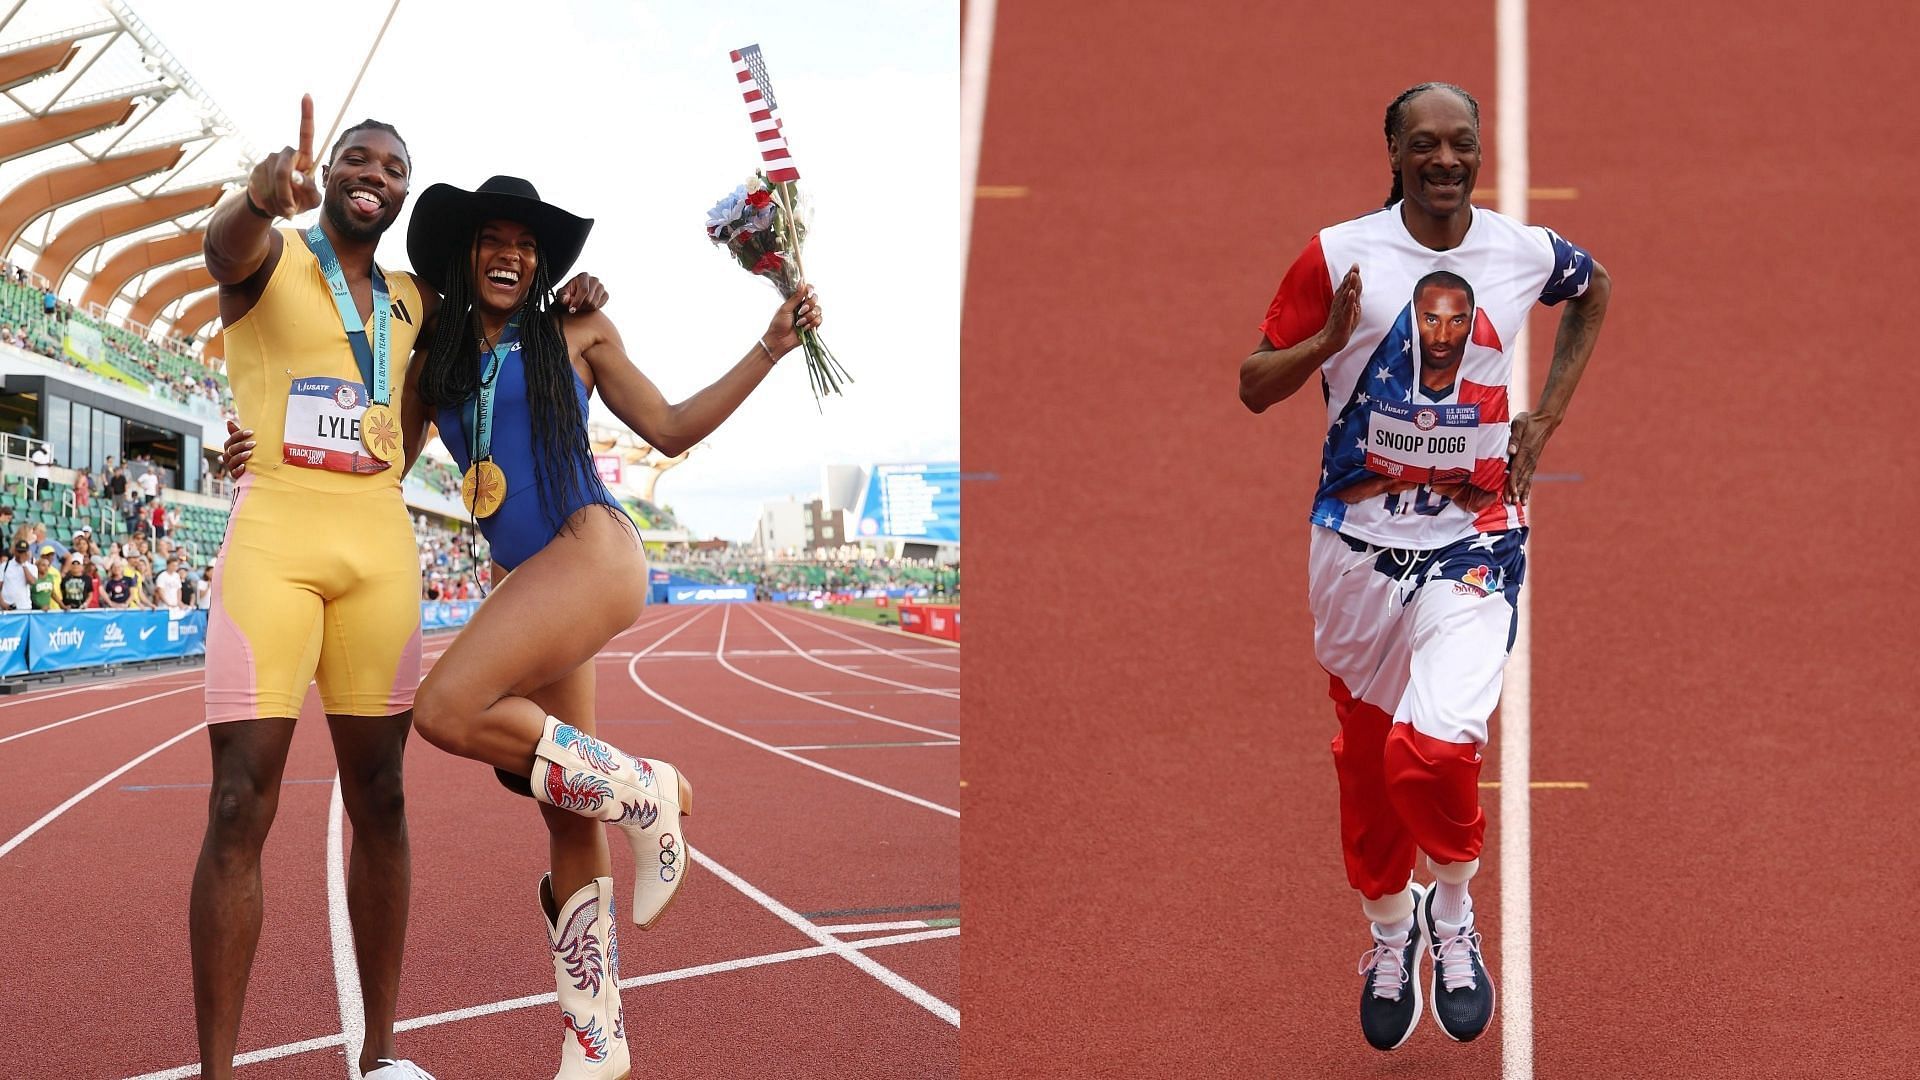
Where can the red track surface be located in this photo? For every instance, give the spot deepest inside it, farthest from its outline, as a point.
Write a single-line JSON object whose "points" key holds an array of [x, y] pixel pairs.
{"points": [[93, 906], [1723, 629]]}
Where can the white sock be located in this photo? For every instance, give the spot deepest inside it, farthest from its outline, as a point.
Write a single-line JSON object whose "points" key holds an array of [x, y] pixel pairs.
{"points": [[1451, 904], [1393, 934]]}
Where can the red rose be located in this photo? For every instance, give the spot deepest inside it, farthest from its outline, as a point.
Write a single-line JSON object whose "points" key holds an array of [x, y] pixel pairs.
{"points": [[770, 263], [758, 199]]}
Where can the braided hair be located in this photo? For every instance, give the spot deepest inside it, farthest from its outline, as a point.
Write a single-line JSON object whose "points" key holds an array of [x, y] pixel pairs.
{"points": [[1397, 121], [451, 377]]}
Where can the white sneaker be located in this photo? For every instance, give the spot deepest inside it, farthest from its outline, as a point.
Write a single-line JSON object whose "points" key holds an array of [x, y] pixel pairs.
{"points": [[389, 1069]]}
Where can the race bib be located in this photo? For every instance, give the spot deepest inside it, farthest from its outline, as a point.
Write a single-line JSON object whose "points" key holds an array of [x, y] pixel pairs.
{"points": [[1419, 443], [323, 427]]}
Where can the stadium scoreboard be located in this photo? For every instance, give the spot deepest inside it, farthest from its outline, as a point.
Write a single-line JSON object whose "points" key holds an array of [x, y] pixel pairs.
{"points": [[912, 502]]}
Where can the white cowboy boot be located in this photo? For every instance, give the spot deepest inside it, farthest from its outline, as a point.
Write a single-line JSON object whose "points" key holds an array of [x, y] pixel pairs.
{"points": [[644, 797], [586, 975]]}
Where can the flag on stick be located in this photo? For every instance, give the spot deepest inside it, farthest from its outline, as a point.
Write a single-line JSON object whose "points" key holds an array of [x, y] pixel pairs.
{"points": [[764, 111]]}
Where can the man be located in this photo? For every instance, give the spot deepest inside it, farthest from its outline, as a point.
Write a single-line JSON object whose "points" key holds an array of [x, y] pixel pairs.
{"points": [[1419, 525], [326, 495], [80, 587], [16, 580], [167, 586], [37, 536], [117, 484], [149, 483], [42, 459], [1443, 313]]}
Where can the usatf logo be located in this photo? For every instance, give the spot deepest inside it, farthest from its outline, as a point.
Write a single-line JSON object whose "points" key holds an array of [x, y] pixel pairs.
{"points": [[67, 639], [1480, 581], [347, 396], [1425, 419], [9, 644]]}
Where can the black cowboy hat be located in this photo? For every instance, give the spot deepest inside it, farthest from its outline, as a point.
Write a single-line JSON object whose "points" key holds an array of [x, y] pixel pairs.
{"points": [[445, 217]]}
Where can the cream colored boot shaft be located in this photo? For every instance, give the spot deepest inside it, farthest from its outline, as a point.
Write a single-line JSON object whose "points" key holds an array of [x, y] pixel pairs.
{"points": [[586, 976]]}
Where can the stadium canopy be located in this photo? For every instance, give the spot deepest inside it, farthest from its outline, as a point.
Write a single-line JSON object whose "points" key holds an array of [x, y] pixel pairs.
{"points": [[111, 159]]}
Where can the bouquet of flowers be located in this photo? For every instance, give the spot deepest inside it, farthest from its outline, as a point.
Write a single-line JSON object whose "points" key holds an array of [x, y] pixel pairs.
{"points": [[760, 225]]}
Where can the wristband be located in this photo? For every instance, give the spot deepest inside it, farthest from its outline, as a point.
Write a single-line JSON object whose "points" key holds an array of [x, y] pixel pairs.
{"points": [[762, 342], [248, 195]]}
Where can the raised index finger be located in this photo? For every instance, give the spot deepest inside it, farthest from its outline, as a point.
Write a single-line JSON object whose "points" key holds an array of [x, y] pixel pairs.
{"points": [[305, 160]]}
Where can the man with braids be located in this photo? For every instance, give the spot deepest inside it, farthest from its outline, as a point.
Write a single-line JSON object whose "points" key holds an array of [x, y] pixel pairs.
{"points": [[1419, 525], [318, 581], [509, 378]]}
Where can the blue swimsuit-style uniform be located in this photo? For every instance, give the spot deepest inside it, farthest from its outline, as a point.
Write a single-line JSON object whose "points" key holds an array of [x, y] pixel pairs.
{"points": [[519, 529]]}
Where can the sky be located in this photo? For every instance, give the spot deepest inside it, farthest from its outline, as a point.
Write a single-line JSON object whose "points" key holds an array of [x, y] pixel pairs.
{"points": [[629, 113]]}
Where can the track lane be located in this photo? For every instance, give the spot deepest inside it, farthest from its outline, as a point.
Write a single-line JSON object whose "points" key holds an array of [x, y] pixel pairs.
{"points": [[1151, 729], [455, 806]]}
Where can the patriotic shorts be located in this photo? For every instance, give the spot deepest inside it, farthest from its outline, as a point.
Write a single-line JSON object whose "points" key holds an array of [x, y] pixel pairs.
{"points": [[1422, 635]]}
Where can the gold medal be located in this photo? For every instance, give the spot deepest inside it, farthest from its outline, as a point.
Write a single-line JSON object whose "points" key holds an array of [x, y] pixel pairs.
{"points": [[483, 488], [380, 434]]}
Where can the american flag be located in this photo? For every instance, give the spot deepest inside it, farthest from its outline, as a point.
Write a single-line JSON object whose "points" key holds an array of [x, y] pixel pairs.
{"points": [[751, 69]]}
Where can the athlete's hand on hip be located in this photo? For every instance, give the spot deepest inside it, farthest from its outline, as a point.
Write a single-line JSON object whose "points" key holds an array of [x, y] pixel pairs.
{"points": [[800, 312], [1526, 437], [582, 292], [1344, 315], [239, 448], [282, 184]]}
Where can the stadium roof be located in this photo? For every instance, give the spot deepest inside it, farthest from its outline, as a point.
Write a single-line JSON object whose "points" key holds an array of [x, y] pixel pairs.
{"points": [[111, 159]]}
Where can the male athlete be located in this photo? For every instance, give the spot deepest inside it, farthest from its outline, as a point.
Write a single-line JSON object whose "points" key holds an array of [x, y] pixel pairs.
{"points": [[319, 577], [1419, 525]]}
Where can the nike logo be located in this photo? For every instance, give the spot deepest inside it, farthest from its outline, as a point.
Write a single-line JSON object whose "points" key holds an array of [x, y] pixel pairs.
{"points": [[148, 632]]}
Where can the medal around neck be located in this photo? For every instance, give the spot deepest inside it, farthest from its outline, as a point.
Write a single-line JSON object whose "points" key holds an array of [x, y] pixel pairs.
{"points": [[379, 428], [380, 433], [483, 488]]}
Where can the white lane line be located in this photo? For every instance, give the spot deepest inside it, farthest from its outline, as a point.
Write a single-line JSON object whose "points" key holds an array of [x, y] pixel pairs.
{"points": [[634, 674], [1516, 699], [346, 970], [272, 1053], [22, 836], [845, 950], [863, 928], [976, 57], [872, 745], [720, 654], [97, 712], [810, 658], [849, 637]]}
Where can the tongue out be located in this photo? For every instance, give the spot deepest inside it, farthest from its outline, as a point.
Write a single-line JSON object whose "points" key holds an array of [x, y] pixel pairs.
{"points": [[366, 204]]}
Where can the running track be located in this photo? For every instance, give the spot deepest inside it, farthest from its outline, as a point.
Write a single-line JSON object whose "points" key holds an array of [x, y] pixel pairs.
{"points": [[819, 961], [1723, 623]]}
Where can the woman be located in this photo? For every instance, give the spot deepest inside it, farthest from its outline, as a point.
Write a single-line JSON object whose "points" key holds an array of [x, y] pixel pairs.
{"points": [[509, 384]]}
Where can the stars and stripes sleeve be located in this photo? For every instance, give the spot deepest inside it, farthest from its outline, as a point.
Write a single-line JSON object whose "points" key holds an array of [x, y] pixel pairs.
{"points": [[1572, 267], [1300, 306]]}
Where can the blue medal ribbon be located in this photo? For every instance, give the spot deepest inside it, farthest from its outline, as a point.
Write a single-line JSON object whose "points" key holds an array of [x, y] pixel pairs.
{"points": [[372, 361], [478, 415]]}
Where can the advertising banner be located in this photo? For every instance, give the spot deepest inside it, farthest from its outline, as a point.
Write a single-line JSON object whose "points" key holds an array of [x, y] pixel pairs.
{"points": [[446, 614], [13, 644], [709, 594], [58, 641]]}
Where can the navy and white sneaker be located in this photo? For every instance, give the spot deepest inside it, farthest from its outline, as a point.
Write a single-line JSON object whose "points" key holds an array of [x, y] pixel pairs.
{"points": [[1461, 990], [1390, 1000]]}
